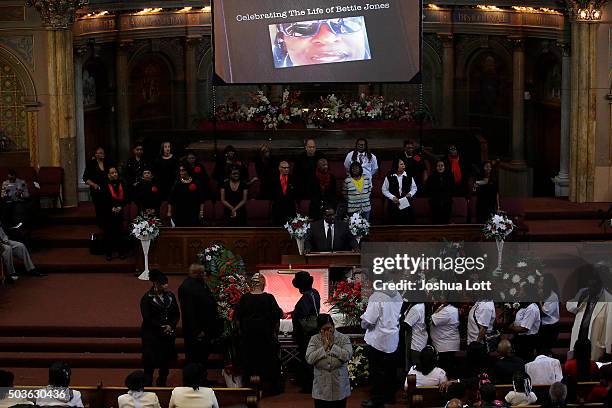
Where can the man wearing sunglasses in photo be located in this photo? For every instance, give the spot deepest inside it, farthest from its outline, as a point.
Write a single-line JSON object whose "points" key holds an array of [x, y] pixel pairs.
{"points": [[320, 42]]}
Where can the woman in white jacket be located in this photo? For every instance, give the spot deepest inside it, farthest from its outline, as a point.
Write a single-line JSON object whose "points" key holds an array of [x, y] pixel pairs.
{"points": [[593, 303]]}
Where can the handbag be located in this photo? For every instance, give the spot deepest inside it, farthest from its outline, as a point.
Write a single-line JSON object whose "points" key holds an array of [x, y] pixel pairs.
{"points": [[309, 323], [96, 244]]}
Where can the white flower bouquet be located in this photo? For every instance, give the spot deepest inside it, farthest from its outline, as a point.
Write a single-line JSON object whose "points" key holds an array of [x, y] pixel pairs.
{"points": [[145, 228], [499, 226], [359, 226], [298, 226]]}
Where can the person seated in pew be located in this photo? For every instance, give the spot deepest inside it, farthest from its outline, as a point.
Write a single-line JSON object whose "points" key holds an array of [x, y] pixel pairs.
{"points": [[234, 195], [545, 369], [426, 370], [6, 400], [399, 189], [191, 394], [581, 366], [136, 396], [488, 397], [147, 195], [557, 395], [329, 235], [15, 202], [522, 393], [58, 391], [507, 363], [600, 392]]}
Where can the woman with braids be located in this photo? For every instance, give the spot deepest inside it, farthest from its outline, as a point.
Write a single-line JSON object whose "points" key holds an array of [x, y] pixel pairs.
{"points": [[363, 156], [521, 393]]}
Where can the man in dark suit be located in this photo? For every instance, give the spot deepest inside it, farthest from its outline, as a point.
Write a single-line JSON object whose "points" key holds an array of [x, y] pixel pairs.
{"points": [[329, 235], [304, 168], [200, 319], [506, 364], [283, 196]]}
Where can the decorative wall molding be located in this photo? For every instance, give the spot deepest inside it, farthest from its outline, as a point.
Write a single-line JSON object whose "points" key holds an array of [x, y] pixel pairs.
{"points": [[22, 45], [57, 14]]}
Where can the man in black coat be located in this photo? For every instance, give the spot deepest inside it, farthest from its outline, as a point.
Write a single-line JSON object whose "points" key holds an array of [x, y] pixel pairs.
{"points": [[506, 364], [283, 196], [329, 235], [200, 319], [304, 168]]}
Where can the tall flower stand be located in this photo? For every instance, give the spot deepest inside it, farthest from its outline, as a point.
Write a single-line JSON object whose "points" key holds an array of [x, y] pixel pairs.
{"points": [[499, 242], [300, 245], [145, 243]]}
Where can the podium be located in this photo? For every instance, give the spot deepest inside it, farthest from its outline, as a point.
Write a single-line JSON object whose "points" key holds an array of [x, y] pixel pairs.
{"points": [[340, 259]]}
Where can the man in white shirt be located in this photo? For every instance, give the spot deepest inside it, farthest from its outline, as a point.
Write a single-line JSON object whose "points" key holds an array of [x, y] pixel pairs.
{"points": [[549, 310], [444, 330], [525, 327], [362, 155], [415, 318], [544, 370], [381, 321], [480, 321]]}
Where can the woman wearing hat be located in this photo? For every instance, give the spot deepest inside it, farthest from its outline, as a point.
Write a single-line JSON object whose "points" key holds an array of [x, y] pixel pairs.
{"points": [[160, 315], [258, 315], [306, 310]]}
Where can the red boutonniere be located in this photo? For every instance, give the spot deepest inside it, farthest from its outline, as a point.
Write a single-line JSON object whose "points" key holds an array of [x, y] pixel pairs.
{"points": [[192, 187], [417, 158], [154, 189], [197, 169]]}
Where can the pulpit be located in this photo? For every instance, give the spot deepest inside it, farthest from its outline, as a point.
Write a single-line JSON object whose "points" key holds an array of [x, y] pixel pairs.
{"points": [[340, 259]]}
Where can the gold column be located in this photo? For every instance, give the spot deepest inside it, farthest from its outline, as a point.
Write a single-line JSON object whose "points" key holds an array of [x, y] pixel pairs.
{"points": [[32, 132], [585, 16], [57, 17], [448, 80]]}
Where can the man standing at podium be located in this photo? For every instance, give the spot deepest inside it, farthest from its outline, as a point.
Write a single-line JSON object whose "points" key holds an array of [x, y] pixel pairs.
{"points": [[329, 235]]}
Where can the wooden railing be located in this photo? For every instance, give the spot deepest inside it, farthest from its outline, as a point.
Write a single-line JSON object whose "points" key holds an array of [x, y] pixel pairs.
{"points": [[176, 248]]}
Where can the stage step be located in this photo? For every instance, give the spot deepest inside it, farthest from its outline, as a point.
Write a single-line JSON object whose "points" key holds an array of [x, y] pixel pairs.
{"points": [[79, 260], [63, 236], [87, 360], [76, 344]]}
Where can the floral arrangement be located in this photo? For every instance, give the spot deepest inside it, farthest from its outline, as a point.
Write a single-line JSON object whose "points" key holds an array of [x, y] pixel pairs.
{"points": [[359, 226], [298, 226], [326, 111], [524, 271], [228, 282], [347, 299], [499, 226], [358, 367], [145, 228]]}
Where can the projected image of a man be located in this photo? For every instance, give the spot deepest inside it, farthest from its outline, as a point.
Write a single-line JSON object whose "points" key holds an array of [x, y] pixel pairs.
{"points": [[319, 42]]}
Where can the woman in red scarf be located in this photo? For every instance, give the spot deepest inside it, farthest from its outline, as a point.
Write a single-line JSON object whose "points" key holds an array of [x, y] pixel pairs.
{"points": [[323, 190], [115, 192]]}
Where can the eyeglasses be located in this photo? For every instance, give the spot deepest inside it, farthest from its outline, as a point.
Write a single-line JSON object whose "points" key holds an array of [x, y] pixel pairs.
{"points": [[347, 25]]}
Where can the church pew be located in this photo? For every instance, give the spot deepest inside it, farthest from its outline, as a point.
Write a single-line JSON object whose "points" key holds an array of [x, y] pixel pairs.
{"points": [[106, 397], [432, 397]]}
